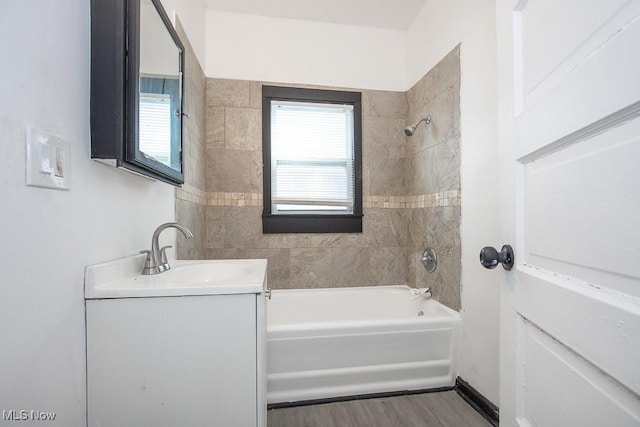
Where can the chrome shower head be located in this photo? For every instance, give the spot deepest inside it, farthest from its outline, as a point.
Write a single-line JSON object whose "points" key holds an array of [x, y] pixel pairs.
{"points": [[409, 130]]}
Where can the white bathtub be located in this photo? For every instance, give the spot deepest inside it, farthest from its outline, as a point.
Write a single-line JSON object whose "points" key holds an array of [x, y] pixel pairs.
{"points": [[329, 343]]}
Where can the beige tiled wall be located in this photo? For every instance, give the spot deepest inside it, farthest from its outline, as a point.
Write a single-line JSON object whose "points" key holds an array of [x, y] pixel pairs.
{"points": [[433, 167], [234, 191], [190, 203], [411, 189]]}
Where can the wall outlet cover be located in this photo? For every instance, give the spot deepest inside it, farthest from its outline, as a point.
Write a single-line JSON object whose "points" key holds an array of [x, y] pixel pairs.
{"points": [[47, 160]]}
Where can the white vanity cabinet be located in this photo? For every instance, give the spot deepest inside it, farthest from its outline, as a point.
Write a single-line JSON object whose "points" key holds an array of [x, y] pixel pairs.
{"points": [[191, 360]]}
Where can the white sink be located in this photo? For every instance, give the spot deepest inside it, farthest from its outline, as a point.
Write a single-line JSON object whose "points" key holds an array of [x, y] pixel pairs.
{"points": [[208, 273], [122, 278]]}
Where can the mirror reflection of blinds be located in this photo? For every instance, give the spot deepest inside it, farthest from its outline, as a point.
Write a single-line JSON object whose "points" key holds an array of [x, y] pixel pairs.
{"points": [[312, 157], [155, 126]]}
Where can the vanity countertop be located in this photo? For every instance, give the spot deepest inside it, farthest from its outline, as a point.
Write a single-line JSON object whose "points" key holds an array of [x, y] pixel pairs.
{"points": [[122, 279]]}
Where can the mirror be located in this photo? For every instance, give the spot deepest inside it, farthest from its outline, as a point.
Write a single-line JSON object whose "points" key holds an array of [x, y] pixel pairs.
{"points": [[136, 112], [159, 100]]}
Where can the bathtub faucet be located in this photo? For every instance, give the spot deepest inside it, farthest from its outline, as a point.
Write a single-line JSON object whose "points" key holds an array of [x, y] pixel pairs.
{"points": [[156, 261], [426, 292]]}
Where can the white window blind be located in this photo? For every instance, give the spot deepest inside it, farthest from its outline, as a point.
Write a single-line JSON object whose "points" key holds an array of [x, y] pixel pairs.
{"points": [[312, 158], [155, 126]]}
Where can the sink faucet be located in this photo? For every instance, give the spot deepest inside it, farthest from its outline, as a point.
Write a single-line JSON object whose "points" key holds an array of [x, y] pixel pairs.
{"points": [[156, 261]]}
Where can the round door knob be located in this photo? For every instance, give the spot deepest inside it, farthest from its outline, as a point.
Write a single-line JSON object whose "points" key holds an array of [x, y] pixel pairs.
{"points": [[490, 257]]}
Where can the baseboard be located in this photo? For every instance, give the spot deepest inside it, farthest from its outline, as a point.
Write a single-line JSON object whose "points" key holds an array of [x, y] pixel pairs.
{"points": [[355, 397], [480, 403]]}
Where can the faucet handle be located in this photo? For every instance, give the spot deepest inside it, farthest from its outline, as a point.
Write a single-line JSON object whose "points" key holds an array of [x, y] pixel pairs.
{"points": [[147, 262], [163, 256]]}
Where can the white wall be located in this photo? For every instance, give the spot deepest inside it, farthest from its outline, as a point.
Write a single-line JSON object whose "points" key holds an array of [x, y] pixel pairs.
{"points": [[261, 48], [438, 28], [49, 236], [192, 17]]}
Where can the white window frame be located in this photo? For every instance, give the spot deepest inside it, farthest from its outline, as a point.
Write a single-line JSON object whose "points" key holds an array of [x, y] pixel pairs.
{"points": [[291, 153]]}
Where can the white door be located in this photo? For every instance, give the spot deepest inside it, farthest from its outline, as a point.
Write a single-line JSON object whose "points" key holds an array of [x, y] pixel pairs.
{"points": [[569, 87]]}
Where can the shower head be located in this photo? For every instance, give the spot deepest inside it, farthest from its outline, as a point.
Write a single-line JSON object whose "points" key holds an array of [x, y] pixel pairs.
{"points": [[409, 130]]}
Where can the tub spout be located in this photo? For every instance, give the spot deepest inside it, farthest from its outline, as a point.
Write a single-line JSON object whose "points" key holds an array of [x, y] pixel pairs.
{"points": [[425, 292]]}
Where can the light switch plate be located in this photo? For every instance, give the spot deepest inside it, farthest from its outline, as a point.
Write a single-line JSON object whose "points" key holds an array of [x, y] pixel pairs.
{"points": [[47, 160]]}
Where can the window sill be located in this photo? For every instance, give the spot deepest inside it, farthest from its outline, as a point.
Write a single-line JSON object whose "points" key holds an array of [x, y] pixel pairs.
{"points": [[272, 224]]}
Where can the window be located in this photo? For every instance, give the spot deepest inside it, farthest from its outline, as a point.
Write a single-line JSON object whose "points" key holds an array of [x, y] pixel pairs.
{"points": [[312, 152], [158, 124], [155, 126]]}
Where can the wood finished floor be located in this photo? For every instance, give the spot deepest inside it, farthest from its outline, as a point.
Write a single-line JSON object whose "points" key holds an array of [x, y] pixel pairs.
{"points": [[444, 409]]}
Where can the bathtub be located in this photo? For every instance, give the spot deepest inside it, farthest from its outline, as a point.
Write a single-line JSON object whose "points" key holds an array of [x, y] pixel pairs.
{"points": [[338, 342]]}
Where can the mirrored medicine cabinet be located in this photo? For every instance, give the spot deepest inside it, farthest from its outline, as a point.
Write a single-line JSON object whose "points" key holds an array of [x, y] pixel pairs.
{"points": [[137, 64]]}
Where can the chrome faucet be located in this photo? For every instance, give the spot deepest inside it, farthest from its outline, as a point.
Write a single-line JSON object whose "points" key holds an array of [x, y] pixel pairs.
{"points": [[156, 261], [426, 292]]}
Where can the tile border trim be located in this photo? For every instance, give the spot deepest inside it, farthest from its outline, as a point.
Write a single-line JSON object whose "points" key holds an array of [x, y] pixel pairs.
{"points": [[429, 200], [221, 198]]}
